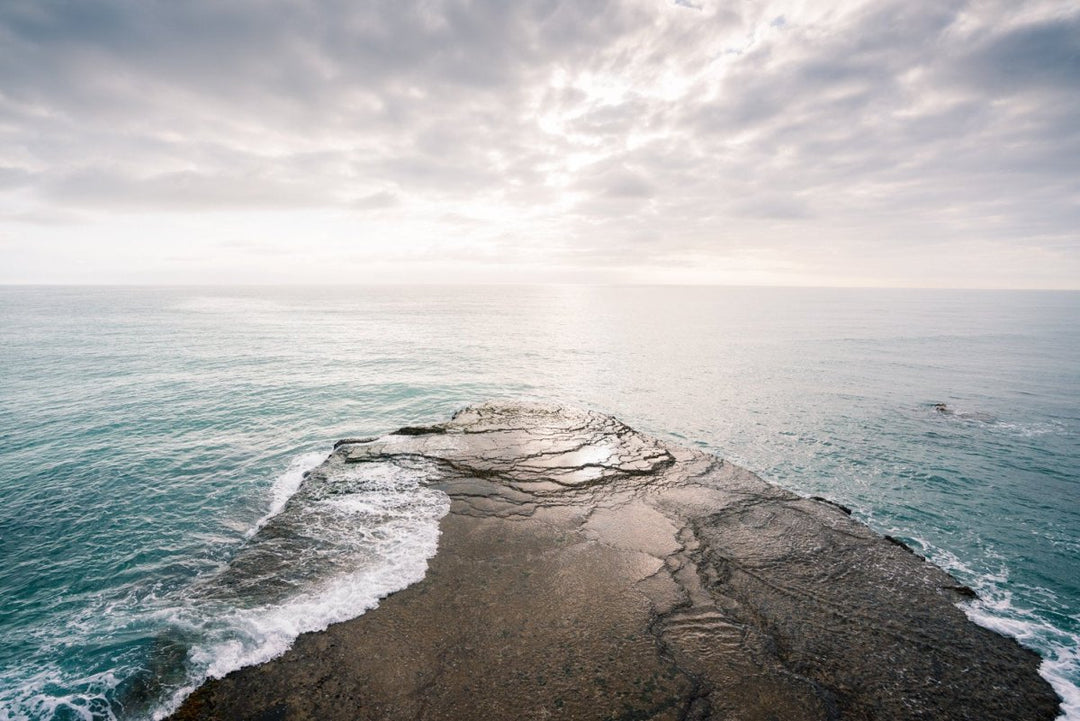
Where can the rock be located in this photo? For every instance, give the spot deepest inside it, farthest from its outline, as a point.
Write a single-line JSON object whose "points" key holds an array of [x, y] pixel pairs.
{"points": [[834, 504], [419, 431], [587, 571], [966, 591], [350, 441], [900, 544]]}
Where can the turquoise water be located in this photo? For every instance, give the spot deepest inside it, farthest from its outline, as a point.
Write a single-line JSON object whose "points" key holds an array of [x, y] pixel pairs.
{"points": [[146, 432]]}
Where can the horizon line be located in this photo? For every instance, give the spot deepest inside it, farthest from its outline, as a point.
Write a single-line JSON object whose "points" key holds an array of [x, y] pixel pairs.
{"points": [[510, 284]]}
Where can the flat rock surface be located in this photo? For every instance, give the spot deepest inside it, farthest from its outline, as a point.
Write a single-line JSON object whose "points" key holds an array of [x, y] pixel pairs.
{"points": [[587, 571]]}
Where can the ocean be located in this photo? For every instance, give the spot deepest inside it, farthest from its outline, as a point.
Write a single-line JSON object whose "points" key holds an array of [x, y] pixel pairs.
{"points": [[147, 433]]}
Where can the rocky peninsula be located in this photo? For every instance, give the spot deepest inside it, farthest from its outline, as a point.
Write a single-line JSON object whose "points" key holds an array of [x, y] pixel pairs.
{"points": [[588, 571]]}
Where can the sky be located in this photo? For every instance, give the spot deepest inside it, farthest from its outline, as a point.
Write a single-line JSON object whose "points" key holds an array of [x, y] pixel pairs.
{"points": [[788, 142]]}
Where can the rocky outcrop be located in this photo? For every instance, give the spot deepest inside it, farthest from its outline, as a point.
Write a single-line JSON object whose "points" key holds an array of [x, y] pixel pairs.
{"points": [[587, 571]]}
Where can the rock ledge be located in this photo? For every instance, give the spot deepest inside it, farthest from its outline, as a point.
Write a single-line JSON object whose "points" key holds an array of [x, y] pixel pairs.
{"points": [[587, 571]]}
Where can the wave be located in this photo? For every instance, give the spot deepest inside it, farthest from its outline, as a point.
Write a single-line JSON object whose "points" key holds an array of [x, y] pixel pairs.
{"points": [[36, 698], [1059, 649], [329, 549], [286, 485], [995, 609], [333, 542]]}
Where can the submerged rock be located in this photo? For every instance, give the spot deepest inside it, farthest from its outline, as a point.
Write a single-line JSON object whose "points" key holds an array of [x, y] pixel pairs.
{"points": [[587, 571]]}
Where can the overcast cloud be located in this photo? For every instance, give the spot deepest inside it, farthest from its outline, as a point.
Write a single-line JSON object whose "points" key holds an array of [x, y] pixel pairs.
{"points": [[793, 142]]}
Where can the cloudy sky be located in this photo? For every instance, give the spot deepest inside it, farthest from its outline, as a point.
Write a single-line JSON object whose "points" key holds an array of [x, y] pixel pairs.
{"points": [[794, 142]]}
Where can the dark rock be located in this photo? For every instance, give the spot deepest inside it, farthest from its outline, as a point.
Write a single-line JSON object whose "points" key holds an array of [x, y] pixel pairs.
{"points": [[897, 542], [587, 571], [965, 591], [419, 431], [352, 441], [834, 504]]}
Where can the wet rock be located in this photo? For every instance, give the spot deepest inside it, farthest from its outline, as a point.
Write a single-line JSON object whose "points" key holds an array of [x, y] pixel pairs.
{"points": [[965, 591], [587, 571], [834, 504], [419, 430], [897, 542], [350, 441]]}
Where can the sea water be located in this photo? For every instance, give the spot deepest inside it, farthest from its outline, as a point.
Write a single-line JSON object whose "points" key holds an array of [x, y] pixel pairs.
{"points": [[147, 433]]}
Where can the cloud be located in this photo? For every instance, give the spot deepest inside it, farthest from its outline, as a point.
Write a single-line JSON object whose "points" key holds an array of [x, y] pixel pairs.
{"points": [[571, 131], [14, 177], [183, 190], [1043, 54], [376, 201]]}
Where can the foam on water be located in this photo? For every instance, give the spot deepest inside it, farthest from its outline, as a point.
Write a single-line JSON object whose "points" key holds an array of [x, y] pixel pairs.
{"points": [[37, 702], [285, 486], [1059, 649], [996, 610], [362, 532], [48, 694]]}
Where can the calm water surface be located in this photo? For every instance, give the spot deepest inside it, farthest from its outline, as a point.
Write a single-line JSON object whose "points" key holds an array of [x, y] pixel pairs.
{"points": [[145, 433]]}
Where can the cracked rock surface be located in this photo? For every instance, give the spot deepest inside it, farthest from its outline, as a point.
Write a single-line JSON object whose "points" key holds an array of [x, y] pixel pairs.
{"points": [[587, 571]]}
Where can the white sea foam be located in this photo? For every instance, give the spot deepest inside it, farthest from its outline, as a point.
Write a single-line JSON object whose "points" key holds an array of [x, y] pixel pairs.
{"points": [[1032, 429], [373, 528], [1058, 671], [285, 485], [34, 699], [376, 527], [994, 609], [1061, 660]]}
